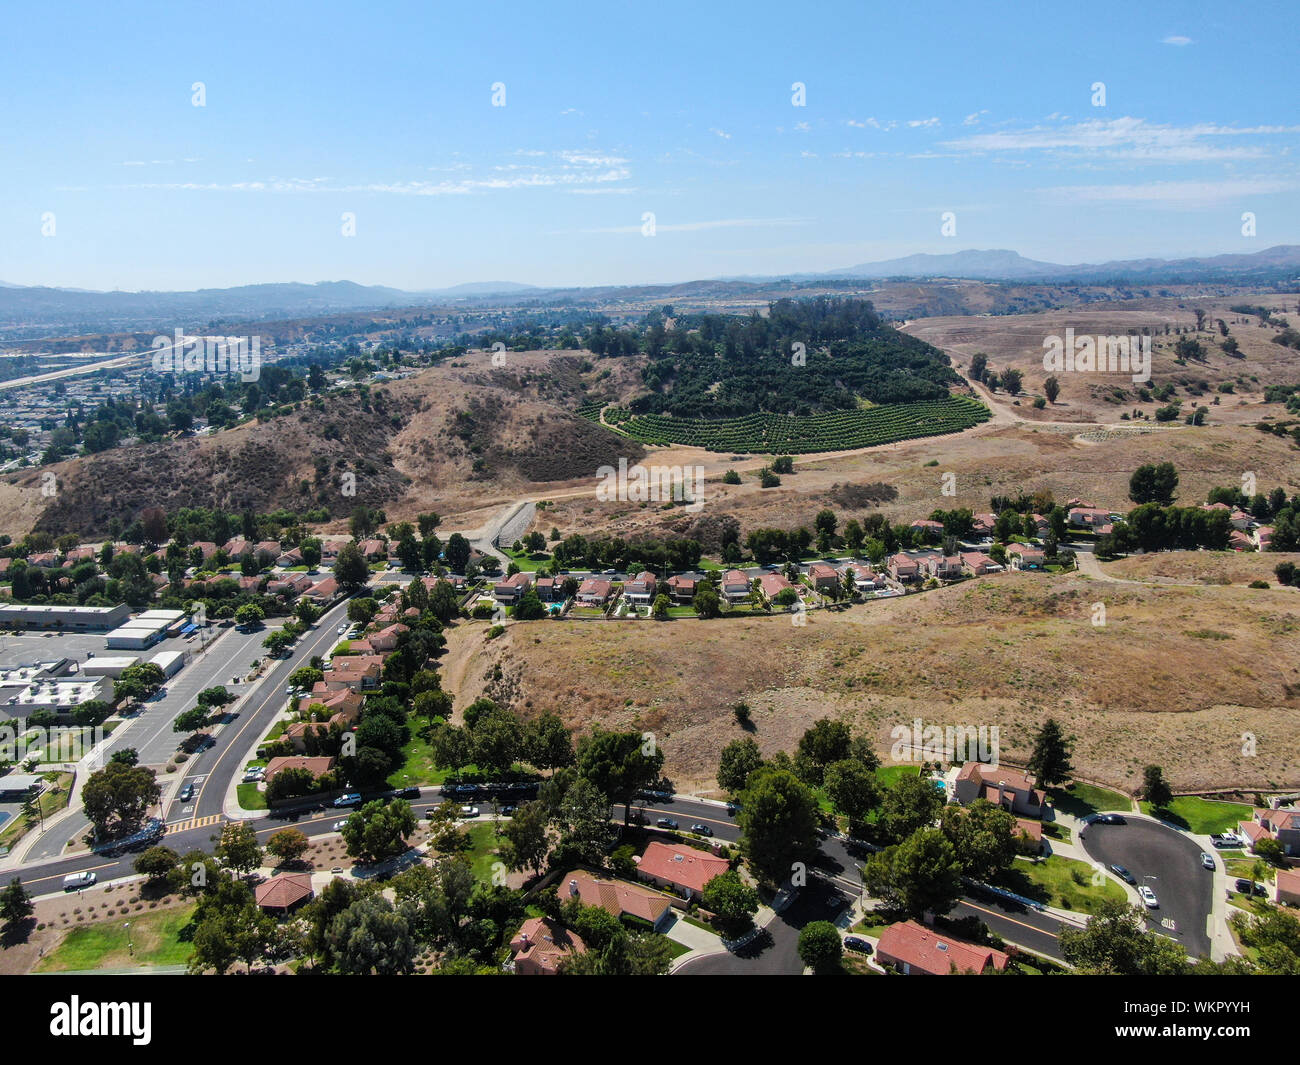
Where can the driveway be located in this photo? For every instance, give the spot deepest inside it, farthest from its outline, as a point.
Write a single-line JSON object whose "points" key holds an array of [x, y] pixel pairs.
{"points": [[1168, 862]]}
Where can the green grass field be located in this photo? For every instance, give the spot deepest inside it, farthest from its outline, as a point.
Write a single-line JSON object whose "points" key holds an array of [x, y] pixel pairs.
{"points": [[250, 798], [154, 940], [1080, 800], [1204, 817], [1061, 882]]}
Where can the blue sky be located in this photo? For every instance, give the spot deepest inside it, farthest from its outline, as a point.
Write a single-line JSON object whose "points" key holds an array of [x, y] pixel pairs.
{"points": [[613, 110]]}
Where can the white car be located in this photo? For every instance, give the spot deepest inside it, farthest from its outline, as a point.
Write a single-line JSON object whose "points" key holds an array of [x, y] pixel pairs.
{"points": [[1149, 897], [469, 811], [1207, 860], [342, 629], [338, 825]]}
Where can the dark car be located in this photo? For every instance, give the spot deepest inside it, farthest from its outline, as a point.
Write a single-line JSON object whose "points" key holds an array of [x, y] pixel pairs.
{"points": [[666, 822], [732, 809], [638, 818], [508, 811], [1246, 887], [409, 793], [1123, 874], [857, 943], [187, 793], [1112, 819], [702, 830]]}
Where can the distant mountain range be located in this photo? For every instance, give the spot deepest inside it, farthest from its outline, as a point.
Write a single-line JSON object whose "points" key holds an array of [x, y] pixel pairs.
{"points": [[33, 311]]}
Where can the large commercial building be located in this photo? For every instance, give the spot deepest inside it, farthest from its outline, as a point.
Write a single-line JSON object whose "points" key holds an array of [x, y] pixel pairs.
{"points": [[66, 618], [144, 630]]}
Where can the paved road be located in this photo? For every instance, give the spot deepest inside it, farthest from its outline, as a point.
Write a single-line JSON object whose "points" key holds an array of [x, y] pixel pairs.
{"points": [[1168, 862]]}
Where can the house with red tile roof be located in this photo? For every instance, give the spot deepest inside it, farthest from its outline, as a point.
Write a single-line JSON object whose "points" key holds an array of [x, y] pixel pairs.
{"points": [[735, 586], [864, 577], [984, 524], [386, 639], [373, 550], [682, 589], [940, 567], [594, 591], [340, 700], [976, 563], [902, 568], [541, 945], [916, 950], [1087, 517], [1026, 556], [682, 868], [513, 587], [616, 897], [296, 733], [315, 766], [282, 893], [1282, 825], [823, 577], [1286, 889], [641, 589], [773, 584], [1003, 786], [290, 558], [1263, 537], [930, 528], [236, 546], [323, 590]]}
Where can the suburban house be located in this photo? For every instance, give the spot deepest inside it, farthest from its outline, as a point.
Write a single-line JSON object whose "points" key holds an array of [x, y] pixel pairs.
{"points": [[823, 577], [1088, 517], [1286, 891], [681, 589], [984, 524], [594, 591], [773, 584], [296, 733], [315, 766], [1282, 825], [916, 950], [641, 589], [206, 547], [1264, 537], [329, 549], [236, 546], [976, 563], [617, 897], [323, 590], [929, 528], [684, 869], [1025, 556], [511, 589], [549, 589], [290, 558], [902, 568], [1032, 829], [541, 944], [1240, 541], [373, 550], [864, 577], [338, 700], [942, 567], [735, 586], [282, 893], [1001, 785], [289, 584]]}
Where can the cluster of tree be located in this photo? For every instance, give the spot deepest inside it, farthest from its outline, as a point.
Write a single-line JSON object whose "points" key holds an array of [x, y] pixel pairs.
{"points": [[613, 552], [493, 739], [1152, 527]]}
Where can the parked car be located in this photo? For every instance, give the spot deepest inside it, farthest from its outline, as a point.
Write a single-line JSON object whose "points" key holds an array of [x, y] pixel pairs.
{"points": [[857, 943], [469, 811], [342, 629], [1207, 860], [1112, 819], [1149, 897], [187, 793], [666, 822], [75, 881], [732, 809], [508, 811], [352, 798], [1123, 874], [703, 830], [1248, 887], [338, 825], [251, 778]]}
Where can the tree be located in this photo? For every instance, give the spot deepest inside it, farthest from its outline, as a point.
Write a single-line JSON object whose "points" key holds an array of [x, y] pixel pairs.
{"points": [[659, 609], [583, 817], [852, 789], [249, 616], [825, 523], [378, 831], [910, 804], [15, 904], [1050, 760], [1051, 388], [1012, 380], [215, 696], [138, 682], [237, 849], [918, 876], [1155, 789], [548, 744], [306, 678], [1115, 942], [457, 552], [116, 797], [157, 862], [978, 365], [820, 946], [706, 603], [350, 568], [1153, 484], [778, 823], [825, 742], [738, 760], [191, 720], [619, 764], [370, 936], [310, 549], [528, 840], [853, 536], [498, 740], [289, 844], [983, 835], [733, 903], [529, 607]]}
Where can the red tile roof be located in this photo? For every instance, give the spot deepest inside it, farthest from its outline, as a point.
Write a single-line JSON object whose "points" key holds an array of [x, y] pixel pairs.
{"points": [[283, 891], [924, 949], [684, 866]]}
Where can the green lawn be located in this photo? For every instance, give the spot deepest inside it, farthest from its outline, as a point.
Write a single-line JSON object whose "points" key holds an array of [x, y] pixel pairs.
{"points": [[1061, 882], [417, 762], [526, 562], [483, 842], [1201, 816], [676, 950], [1080, 800], [250, 798], [1055, 831], [154, 937], [889, 774]]}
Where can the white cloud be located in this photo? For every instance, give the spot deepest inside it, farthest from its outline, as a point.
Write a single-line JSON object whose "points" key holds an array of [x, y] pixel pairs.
{"points": [[1177, 41], [973, 119], [1174, 195], [694, 227], [721, 133], [872, 123], [924, 123]]}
